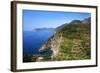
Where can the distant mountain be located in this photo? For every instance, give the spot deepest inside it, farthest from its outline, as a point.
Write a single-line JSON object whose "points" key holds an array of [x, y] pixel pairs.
{"points": [[43, 28], [87, 20]]}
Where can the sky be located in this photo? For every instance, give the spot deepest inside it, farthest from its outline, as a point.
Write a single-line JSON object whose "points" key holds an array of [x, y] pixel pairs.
{"points": [[49, 19]]}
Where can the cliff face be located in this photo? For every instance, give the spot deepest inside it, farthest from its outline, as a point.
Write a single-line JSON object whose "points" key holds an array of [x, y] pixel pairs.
{"points": [[71, 42], [53, 44]]}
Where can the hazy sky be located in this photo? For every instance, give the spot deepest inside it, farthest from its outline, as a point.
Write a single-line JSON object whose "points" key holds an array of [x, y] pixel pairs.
{"points": [[47, 19]]}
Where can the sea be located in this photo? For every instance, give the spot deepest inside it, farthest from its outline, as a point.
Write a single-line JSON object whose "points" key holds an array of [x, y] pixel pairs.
{"points": [[34, 40]]}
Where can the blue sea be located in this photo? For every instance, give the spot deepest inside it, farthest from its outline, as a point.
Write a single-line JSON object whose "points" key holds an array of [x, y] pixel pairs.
{"points": [[33, 40]]}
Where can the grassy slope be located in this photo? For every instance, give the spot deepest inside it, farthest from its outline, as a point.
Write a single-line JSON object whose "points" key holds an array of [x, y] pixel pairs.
{"points": [[75, 43]]}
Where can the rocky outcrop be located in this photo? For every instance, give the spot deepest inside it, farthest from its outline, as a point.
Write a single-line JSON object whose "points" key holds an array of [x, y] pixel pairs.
{"points": [[53, 44]]}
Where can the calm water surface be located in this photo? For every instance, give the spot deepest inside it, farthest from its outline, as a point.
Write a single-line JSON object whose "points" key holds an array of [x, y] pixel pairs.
{"points": [[33, 40]]}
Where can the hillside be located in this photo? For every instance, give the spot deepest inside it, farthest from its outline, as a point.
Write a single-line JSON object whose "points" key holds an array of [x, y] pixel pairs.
{"points": [[70, 42]]}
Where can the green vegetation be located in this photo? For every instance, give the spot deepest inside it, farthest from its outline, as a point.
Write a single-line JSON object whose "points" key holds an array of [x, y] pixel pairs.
{"points": [[75, 43], [70, 42]]}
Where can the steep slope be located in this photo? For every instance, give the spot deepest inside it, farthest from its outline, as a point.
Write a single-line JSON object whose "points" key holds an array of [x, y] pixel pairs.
{"points": [[71, 42]]}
